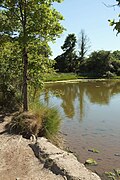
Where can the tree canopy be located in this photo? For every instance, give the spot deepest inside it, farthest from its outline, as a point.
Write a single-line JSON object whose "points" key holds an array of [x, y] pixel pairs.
{"points": [[99, 63], [66, 61], [30, 24]]}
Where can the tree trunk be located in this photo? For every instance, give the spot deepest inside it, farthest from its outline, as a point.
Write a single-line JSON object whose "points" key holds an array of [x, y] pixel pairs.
{"points": [[25, 98], [22, 6]]}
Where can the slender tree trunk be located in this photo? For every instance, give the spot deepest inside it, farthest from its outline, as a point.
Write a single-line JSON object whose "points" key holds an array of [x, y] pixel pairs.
{"points": [[25, 97], [22, 6]]}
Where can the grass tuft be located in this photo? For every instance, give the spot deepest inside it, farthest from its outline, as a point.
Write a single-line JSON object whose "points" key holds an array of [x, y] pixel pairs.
{"points": [[40, 121], [51, 122]]}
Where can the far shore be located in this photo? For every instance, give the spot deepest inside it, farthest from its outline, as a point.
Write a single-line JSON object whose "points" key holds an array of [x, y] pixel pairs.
{"points": [[79, 80]]}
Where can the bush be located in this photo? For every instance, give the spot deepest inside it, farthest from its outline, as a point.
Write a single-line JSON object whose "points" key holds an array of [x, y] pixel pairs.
{"points": [[9, 98], [118, 72], [116, 67]]}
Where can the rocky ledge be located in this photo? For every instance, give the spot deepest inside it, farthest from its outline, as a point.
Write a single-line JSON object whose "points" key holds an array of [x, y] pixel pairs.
{"points": [[61, 162], [18, 161]]}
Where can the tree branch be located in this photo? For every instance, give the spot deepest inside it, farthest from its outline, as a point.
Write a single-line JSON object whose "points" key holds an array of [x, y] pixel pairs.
{"points": [[4, 7], [21, 13], [12, 12], [109, 6]]}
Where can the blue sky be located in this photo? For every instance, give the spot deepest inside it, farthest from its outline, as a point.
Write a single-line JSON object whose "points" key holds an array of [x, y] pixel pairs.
{"points": [[92, 16]]}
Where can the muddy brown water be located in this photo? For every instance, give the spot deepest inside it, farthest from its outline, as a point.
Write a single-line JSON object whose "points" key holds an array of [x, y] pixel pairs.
{"points": [[90, 112]]}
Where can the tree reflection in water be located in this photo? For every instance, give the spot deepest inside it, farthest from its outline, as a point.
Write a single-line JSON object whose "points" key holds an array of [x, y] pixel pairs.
{"points": [[98, 92]]}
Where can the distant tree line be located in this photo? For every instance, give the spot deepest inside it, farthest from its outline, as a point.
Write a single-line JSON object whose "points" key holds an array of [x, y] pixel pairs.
{"points": [[98, 64]]}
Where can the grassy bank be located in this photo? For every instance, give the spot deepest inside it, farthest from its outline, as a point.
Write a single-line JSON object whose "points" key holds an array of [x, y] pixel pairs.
{"points": [[62, 76], [116, 77], [70, 76]]}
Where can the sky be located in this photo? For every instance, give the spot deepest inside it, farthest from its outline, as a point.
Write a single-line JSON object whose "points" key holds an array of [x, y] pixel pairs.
{"points": [[92, 16]]}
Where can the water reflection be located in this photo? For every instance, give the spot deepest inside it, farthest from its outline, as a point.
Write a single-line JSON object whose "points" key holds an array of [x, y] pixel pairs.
{"points": [[101, 92], [91, 119], [97, 92]]}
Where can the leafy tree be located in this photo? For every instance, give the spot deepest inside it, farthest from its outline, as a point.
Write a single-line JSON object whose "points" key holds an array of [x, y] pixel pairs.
{"points": [[69, 43], [10, 73], [31, 24], [115, 62], [116, 55], [115, 23], [97, 64], [67, 61]]}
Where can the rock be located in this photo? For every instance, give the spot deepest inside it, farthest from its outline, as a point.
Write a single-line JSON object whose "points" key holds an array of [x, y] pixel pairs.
{"points": [[61, 162]]}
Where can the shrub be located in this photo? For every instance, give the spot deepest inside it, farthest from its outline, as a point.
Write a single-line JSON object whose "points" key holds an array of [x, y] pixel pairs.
{"points": [[9, 98], [118, 71]]}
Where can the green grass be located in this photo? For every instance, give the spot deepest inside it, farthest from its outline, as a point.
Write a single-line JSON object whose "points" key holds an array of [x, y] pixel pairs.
{"points": [[62, 76], [52, 122], [50, 118], [39, 120], [116, 77], [70, 76]]}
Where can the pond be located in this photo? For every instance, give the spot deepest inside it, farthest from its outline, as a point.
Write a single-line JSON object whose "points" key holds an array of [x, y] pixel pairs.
{"points": [[90, 111]]}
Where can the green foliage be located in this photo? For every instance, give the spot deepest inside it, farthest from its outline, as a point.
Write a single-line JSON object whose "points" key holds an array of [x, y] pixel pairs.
{"points": [[91, 161], [116, 55], [31, 24], [113, 175], [115, 62], [10, 73], [110, 175], [40, 121], [70, 60], [66, 62], [69, 43], [117, 172], [50, 119], [42, 20], [10, 100], [97, 64], [51, 123], [115, 23], [39, 63], [11, 63], [62, 76], [93, 150]]}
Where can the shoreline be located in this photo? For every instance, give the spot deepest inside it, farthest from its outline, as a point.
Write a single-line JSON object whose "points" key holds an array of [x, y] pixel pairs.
{"points": [[52, 163], [79, 80]]}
